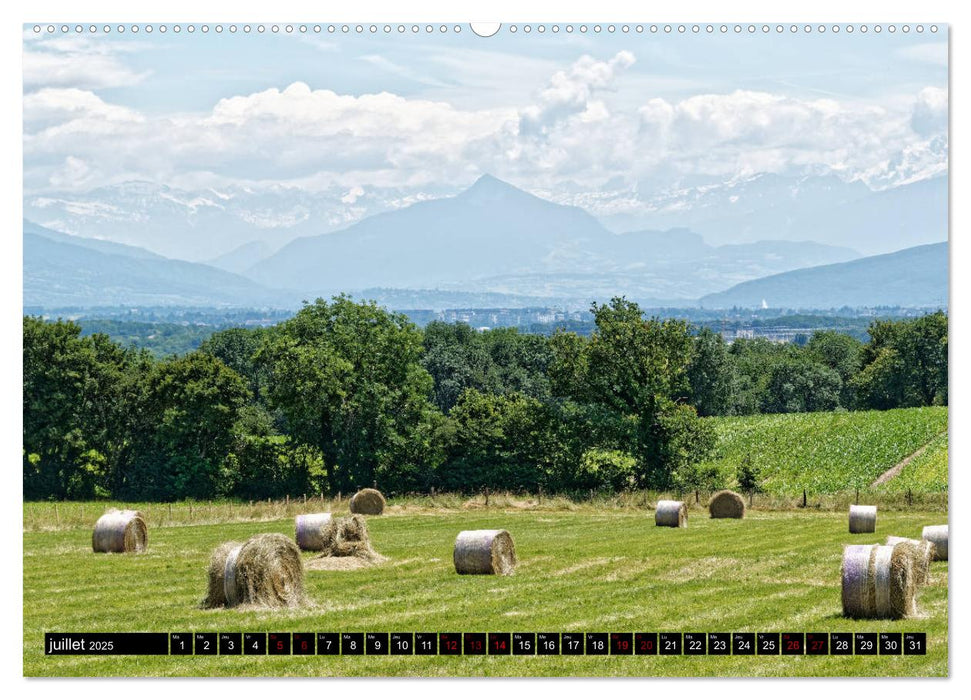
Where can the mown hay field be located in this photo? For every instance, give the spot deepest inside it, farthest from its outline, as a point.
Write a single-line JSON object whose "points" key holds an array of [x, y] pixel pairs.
{"points": [[586, 570], [835, 451]]}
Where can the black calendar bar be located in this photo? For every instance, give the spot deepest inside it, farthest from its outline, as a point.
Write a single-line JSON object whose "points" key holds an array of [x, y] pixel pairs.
{"points": [[117, 643], [364, 644]]}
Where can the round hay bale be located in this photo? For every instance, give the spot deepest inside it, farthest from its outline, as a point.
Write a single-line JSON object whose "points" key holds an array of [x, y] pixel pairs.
{"points": [[878, 581], [264, 571], [484, 552], [863, 519], [308, 527], [671, 514], [120, 531], [216, 594], [346, 537], [937, 535], [367, 502], [726, 504], [923, 556]]}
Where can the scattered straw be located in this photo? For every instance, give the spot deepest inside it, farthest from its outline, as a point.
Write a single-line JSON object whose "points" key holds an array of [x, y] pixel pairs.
{"points": [[347, 537]]}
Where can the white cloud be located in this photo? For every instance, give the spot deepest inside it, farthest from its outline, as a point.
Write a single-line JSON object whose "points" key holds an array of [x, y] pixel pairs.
{"points": [[351, 195], [930, 111], [570, 133], [77, 62]]}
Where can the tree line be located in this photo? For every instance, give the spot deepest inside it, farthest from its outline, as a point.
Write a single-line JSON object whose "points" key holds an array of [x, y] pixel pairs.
{"points": [[346, 394]]}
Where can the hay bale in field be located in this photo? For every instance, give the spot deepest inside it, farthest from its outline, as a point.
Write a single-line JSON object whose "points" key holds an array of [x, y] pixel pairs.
{"points": [[216, 594], [923, 556], [878, 581], [308, 531], [264, 571], [726, 504], [671, 514], [863, 519], [367, 502], [484, 552], [937, 535], [347, 537], [120, 531]]}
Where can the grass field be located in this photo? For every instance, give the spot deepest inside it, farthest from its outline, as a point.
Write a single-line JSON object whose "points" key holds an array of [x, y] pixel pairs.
{"points": [[586, 569], [835, 451]]}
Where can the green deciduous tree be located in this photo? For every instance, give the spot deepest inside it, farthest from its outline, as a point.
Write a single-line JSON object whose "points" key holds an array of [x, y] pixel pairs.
{"points": [[904, 364], [636, 369], [348, 379], [798, 386], [183, 430], [711, 375]]}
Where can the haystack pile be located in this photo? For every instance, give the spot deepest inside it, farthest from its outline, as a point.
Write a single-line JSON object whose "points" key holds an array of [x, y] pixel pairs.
{"points": [[671, 514], [264, 571], [308, 531], [484, 552], [367, 502], [347, 537], [120, 531], [879, 581], [937, 535], [863, 519], [726, 504]]}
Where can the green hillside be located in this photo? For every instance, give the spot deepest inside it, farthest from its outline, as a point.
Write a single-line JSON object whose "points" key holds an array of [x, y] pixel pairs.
{"points": [[837, 451]]}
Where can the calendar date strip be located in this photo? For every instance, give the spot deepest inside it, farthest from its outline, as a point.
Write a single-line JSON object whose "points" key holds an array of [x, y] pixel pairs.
{"points": [[487, 643]]}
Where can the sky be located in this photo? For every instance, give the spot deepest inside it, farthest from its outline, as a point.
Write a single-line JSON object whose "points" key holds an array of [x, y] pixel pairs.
{"points": [[601, 120]]}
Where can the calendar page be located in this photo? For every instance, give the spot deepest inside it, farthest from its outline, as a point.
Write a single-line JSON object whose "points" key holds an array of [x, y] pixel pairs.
{"points": [[519, 349]]}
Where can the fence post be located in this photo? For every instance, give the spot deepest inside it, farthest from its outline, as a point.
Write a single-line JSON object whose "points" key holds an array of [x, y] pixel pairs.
{"points": [[487, 496], [751, 496], [804, 498], [697, 497]]}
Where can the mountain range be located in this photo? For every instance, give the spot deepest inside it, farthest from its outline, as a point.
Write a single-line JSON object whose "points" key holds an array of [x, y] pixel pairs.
{"points": [[69, 271], [203, 223], [490, 242], [495, 238], [817, 208], [911, 277]]}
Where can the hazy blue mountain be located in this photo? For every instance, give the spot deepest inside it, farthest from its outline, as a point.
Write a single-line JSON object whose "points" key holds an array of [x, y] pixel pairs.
{"points": [[64, 270], [91, 243], [491, 228], [494, 238], [818, 208], [240, 259], [204, 223], [914, 277]]}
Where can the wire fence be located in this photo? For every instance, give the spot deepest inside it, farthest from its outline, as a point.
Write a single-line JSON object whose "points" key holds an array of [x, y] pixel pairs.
{"points": [[65, 515]]}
